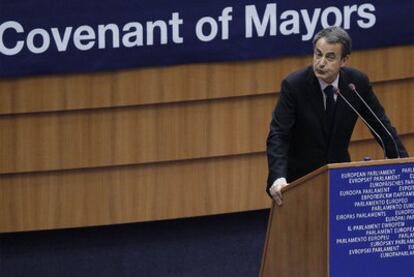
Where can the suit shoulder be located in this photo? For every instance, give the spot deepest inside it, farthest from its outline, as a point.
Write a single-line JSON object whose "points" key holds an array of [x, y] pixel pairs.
{"points": [[355, 74], [300, 78], [299, 75]]}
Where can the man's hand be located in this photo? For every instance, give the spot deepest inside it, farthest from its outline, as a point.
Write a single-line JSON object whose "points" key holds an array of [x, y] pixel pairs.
{"points": [[276, 190]]}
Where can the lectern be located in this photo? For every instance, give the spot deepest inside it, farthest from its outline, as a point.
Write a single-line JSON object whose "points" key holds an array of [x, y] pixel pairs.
{"points": [[348, 219]]}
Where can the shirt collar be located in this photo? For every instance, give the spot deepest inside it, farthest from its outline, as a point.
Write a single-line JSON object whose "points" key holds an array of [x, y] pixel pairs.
{"points": [[334, 83]]}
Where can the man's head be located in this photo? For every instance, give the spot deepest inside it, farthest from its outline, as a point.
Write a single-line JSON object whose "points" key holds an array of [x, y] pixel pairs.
{"points": [[332, 47]]}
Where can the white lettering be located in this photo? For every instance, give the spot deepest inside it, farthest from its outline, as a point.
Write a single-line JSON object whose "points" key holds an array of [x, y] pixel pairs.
{"points": [[44, 44], [175, 22], [19, 44], [134, 35], [224, 19], [348, 10], [61, 43], [370, 17], [337, 16], [291, 25], [84, 38], [310, 24], [252, 19], [102, 30], [163, 32], [213, 29], [15, 38]]}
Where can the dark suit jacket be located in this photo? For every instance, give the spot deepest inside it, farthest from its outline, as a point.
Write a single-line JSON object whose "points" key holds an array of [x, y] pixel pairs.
{"points": [[298, 140]]}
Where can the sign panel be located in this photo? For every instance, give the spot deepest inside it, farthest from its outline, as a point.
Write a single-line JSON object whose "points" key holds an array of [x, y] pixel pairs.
{"points": [[59, 36], [372, 221]]}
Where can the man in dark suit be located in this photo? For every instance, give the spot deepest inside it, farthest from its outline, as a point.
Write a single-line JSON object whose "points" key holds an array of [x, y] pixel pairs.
{"points": [[311, 125]]}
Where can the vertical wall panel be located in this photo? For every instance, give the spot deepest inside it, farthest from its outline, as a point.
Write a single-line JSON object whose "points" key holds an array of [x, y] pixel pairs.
{"points": [[158, 143]]}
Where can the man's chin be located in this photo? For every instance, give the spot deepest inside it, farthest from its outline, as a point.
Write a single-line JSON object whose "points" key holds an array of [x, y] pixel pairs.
{"points": [[320, 76], [324, 77]]}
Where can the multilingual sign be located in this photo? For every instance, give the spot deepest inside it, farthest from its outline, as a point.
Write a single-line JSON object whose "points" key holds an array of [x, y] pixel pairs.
{"points": [[371, 213]]}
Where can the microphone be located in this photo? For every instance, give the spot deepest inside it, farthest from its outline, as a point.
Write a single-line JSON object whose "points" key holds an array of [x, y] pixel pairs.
{"points": [[337, 92], [353, 89]]}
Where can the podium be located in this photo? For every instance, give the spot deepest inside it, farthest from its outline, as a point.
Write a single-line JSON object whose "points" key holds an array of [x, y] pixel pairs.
{"points": [[348, 219]]}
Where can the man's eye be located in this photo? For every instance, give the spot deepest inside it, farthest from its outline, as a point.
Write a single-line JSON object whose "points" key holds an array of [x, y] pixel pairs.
{"points": [[330, 58]]}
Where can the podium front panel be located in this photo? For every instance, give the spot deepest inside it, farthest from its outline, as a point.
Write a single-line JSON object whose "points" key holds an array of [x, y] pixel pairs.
{"points": [[371, 221]]}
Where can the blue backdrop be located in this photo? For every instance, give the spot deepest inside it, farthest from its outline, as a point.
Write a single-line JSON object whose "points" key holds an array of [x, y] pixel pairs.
{"points": [[48, 37]]}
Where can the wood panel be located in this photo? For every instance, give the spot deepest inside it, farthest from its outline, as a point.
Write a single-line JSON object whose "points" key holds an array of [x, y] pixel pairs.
{"points": [[181, 83], [142, 134], [397, 98], [133, 135], [297, 240], [369, 147], [132, 193], [297, 236], [74, 198], [159, 143]]}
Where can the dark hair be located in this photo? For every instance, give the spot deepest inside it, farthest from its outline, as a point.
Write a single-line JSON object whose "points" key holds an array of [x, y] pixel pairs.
{"points": [[335, 35]]}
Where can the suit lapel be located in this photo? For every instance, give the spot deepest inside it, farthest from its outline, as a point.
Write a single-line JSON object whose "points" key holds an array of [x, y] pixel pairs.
{"points": [[315, 100], [341, 106]]}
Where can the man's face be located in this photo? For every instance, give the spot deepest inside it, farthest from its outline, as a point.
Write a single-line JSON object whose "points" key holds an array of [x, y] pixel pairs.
{"points": [[327, 60]]}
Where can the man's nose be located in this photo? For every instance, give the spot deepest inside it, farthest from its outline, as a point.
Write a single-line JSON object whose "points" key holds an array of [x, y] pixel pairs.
{"points": [[323, 61]]}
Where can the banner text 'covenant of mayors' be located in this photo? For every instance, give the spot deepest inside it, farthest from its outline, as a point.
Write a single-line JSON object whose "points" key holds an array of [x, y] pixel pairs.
{"points": [[56, 37]]}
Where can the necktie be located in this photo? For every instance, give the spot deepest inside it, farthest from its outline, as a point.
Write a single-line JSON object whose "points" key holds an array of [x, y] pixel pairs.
{"points": [[330, 105]]}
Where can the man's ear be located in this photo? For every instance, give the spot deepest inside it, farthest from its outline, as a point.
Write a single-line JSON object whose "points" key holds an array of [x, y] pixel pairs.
{"points": [[344, 60]]}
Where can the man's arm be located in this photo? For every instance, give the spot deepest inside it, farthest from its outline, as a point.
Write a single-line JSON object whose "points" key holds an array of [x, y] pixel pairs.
{"points": [[283, 119]]}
